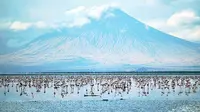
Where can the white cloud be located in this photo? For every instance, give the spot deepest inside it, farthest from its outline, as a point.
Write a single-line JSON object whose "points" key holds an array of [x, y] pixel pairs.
{"points": [[183, 18], [93, 12], [17, 25], [76, 11], [79, 22], [181, 24], [96, 11], [81, 15]]}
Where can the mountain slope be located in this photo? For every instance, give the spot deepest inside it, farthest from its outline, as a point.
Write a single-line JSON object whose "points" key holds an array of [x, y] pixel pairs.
{"points": [[116, 39]]}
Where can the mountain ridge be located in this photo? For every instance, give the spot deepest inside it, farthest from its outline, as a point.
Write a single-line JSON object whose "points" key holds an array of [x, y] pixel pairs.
{"points": [[107, 42]]}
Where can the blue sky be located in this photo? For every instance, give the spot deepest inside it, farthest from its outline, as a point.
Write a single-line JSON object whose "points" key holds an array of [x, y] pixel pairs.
{"points": [[180, 18]]}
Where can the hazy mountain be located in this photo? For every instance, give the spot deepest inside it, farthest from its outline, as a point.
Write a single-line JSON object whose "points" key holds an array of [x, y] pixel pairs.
{"points": [[115, 41]]}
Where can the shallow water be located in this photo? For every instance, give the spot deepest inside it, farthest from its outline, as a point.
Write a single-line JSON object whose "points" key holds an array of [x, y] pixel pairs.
{"points": [[133, 101], [101, 106]]}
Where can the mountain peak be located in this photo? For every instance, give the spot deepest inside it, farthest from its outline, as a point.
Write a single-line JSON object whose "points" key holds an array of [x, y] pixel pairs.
{"points": [[107, 38], [82, 15], [92, 12]]}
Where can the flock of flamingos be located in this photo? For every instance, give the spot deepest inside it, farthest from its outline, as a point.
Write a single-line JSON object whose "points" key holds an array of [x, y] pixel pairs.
{"points": [[98, 85]]}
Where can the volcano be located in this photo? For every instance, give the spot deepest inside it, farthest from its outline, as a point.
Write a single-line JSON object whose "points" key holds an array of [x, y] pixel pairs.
{"points": [[113, 42]]}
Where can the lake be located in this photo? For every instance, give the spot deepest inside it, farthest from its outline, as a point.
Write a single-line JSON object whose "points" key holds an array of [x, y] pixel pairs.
{"points": [[121, 92]]}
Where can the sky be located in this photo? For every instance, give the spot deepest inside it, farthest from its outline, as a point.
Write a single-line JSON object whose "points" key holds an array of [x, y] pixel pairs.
{"points": [[180, 18]]}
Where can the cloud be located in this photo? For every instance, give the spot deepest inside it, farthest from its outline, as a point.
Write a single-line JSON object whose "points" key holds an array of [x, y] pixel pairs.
{"points": [[184, 24], [18, 25], [79, 22], [76, 11], [76, 17], [186, 17], [97, 11], [93, 12], [81, 15]]}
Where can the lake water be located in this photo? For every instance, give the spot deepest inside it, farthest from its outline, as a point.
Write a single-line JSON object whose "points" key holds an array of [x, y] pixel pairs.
{"points": [[100, 93], [101, 106]]}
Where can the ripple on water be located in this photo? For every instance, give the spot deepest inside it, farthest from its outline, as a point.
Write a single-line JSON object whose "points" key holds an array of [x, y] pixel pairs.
{"points": [[101, 106], [187, 108]]}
